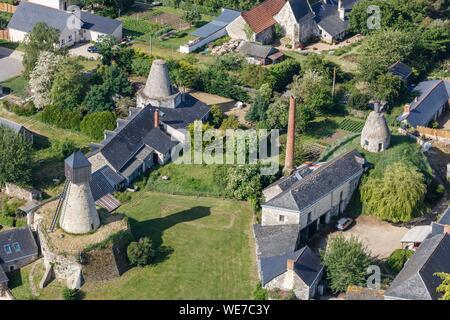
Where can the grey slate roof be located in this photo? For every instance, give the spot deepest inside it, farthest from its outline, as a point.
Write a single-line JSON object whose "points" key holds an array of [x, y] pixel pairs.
{"points": [[77, 160], [28, 14], [416, 281], [98, 23], [159, 141], [17, 128], [320, 182], [275, 245], [256, 50], [445, 217], [3, 277], [286, 182], [132, 135], [327, 17], [219, 23], [400, 69], [22, 236], [433, 94], [103, 182], [301, 10]]}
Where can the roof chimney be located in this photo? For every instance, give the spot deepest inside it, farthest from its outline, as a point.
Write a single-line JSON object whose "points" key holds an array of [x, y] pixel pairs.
{"points": [[290, 264], [407, 108], [156, 119], [290, 143]]}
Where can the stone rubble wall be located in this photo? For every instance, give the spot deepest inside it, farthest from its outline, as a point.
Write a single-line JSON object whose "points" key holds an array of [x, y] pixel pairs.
{"points": [[65, 267], [15, 191]]}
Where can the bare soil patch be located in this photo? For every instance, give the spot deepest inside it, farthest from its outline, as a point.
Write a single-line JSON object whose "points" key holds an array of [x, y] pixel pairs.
{"points": [[170, 19]]}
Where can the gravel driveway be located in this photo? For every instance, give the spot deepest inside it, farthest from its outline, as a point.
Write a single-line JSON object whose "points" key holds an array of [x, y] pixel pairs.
{"points": [[380, 237], [10, 63]]}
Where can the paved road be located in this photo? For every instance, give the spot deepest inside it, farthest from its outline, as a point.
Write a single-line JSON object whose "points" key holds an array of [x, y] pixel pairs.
{"points": [[10, 63]]}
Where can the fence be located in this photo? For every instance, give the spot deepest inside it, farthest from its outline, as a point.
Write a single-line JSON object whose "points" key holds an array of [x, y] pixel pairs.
{"points": [[4, 34], [6, 7], [436, 134]]}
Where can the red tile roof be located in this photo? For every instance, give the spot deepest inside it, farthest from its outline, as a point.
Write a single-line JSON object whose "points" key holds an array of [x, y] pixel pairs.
{"points": [[260, 17]]}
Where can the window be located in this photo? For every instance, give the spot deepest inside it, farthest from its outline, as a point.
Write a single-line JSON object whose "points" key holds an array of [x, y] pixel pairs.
{"points": [[366, 142], [16, 247], [7, 248], [70, 38], [309, 217], [281, 218]]}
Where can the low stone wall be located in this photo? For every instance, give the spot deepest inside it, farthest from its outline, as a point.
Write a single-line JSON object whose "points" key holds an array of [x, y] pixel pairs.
{"points": [[65, 267], [435, 134], [15, 191]]}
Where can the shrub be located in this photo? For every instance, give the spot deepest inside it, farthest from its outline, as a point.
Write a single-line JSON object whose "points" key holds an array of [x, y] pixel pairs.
{"points": [[94, 124], [398, 258], [71, 294], [62, 118], [139, 253], [260, 293], [346, 262], [358, 101]]}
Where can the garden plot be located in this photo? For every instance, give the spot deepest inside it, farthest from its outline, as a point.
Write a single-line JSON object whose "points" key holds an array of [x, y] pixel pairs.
{"points": [[171, 20]]}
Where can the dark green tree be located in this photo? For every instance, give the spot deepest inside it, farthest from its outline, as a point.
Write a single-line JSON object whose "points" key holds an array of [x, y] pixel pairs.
{"points": [[15, 158], [140, 253], [94, 124]]}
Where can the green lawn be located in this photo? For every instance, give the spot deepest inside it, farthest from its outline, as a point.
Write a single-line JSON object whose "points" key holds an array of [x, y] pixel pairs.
{"points": [[206, 250], [9, 45], [17, 86], [185, 179]]}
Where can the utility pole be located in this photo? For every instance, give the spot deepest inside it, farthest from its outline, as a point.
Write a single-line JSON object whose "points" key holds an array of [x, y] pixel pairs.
{"points": [[334, 81]]}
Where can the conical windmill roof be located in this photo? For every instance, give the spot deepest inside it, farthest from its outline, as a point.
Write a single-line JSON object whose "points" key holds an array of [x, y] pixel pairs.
{"points": [[158, 83], [376, 128]]}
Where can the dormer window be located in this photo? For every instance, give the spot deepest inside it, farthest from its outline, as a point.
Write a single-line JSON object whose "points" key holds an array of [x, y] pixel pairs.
{"points": [[7, 248], [16, 246]]}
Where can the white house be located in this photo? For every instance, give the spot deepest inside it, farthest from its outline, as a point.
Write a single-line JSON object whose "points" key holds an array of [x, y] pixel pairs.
{"points": [[73, 27]]}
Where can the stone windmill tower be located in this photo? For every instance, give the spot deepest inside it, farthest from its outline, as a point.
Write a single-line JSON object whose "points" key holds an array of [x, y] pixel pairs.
{"points": [[78, 213], [159, 90], [375, 136]]}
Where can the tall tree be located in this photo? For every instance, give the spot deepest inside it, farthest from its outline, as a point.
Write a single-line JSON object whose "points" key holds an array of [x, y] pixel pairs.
{"points": [[346, 262], [68, 85], [41, 78], [397, 196], [444, 287], [15, 158], [41, 38]]}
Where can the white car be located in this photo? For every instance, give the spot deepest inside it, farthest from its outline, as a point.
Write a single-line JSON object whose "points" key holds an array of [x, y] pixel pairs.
{"points": [[343, 223]]}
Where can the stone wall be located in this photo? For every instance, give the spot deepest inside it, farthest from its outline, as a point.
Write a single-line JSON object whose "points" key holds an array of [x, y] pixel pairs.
{"points": [[265, 36], [271, 216], [236, 29], [15, 191], [288, 281], [65, 267]]}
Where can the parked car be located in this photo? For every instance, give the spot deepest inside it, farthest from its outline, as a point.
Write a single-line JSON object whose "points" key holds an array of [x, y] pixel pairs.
{"points": [[343, 223], [92, 49]]}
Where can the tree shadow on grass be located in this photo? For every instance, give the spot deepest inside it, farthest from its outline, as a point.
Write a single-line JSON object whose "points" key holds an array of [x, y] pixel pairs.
{"points": [[154, 229], [15, 279]]}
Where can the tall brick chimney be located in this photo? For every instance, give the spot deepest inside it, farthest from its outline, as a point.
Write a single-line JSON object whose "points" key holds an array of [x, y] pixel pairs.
{"points": [[156, 119], [290, 143]]}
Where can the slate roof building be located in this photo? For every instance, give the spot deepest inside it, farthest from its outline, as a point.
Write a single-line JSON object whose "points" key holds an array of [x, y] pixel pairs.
{"points": [[417, 281], [311, 200], [432, 101], [73, 27], [259, 54], [149, 133], [282, 266], [17, 128], [211, 31], [18, 248], [402, 70]]}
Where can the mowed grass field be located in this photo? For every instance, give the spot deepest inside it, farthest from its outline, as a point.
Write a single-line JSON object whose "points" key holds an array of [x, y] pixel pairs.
{"points": [[206, 250]]}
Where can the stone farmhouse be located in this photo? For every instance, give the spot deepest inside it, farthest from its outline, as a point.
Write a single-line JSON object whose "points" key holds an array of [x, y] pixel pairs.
{"points": [[74, 27], [299, 21], [17, 128], [149, 133], [18, 248], [282, 266], [433, 100]]}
